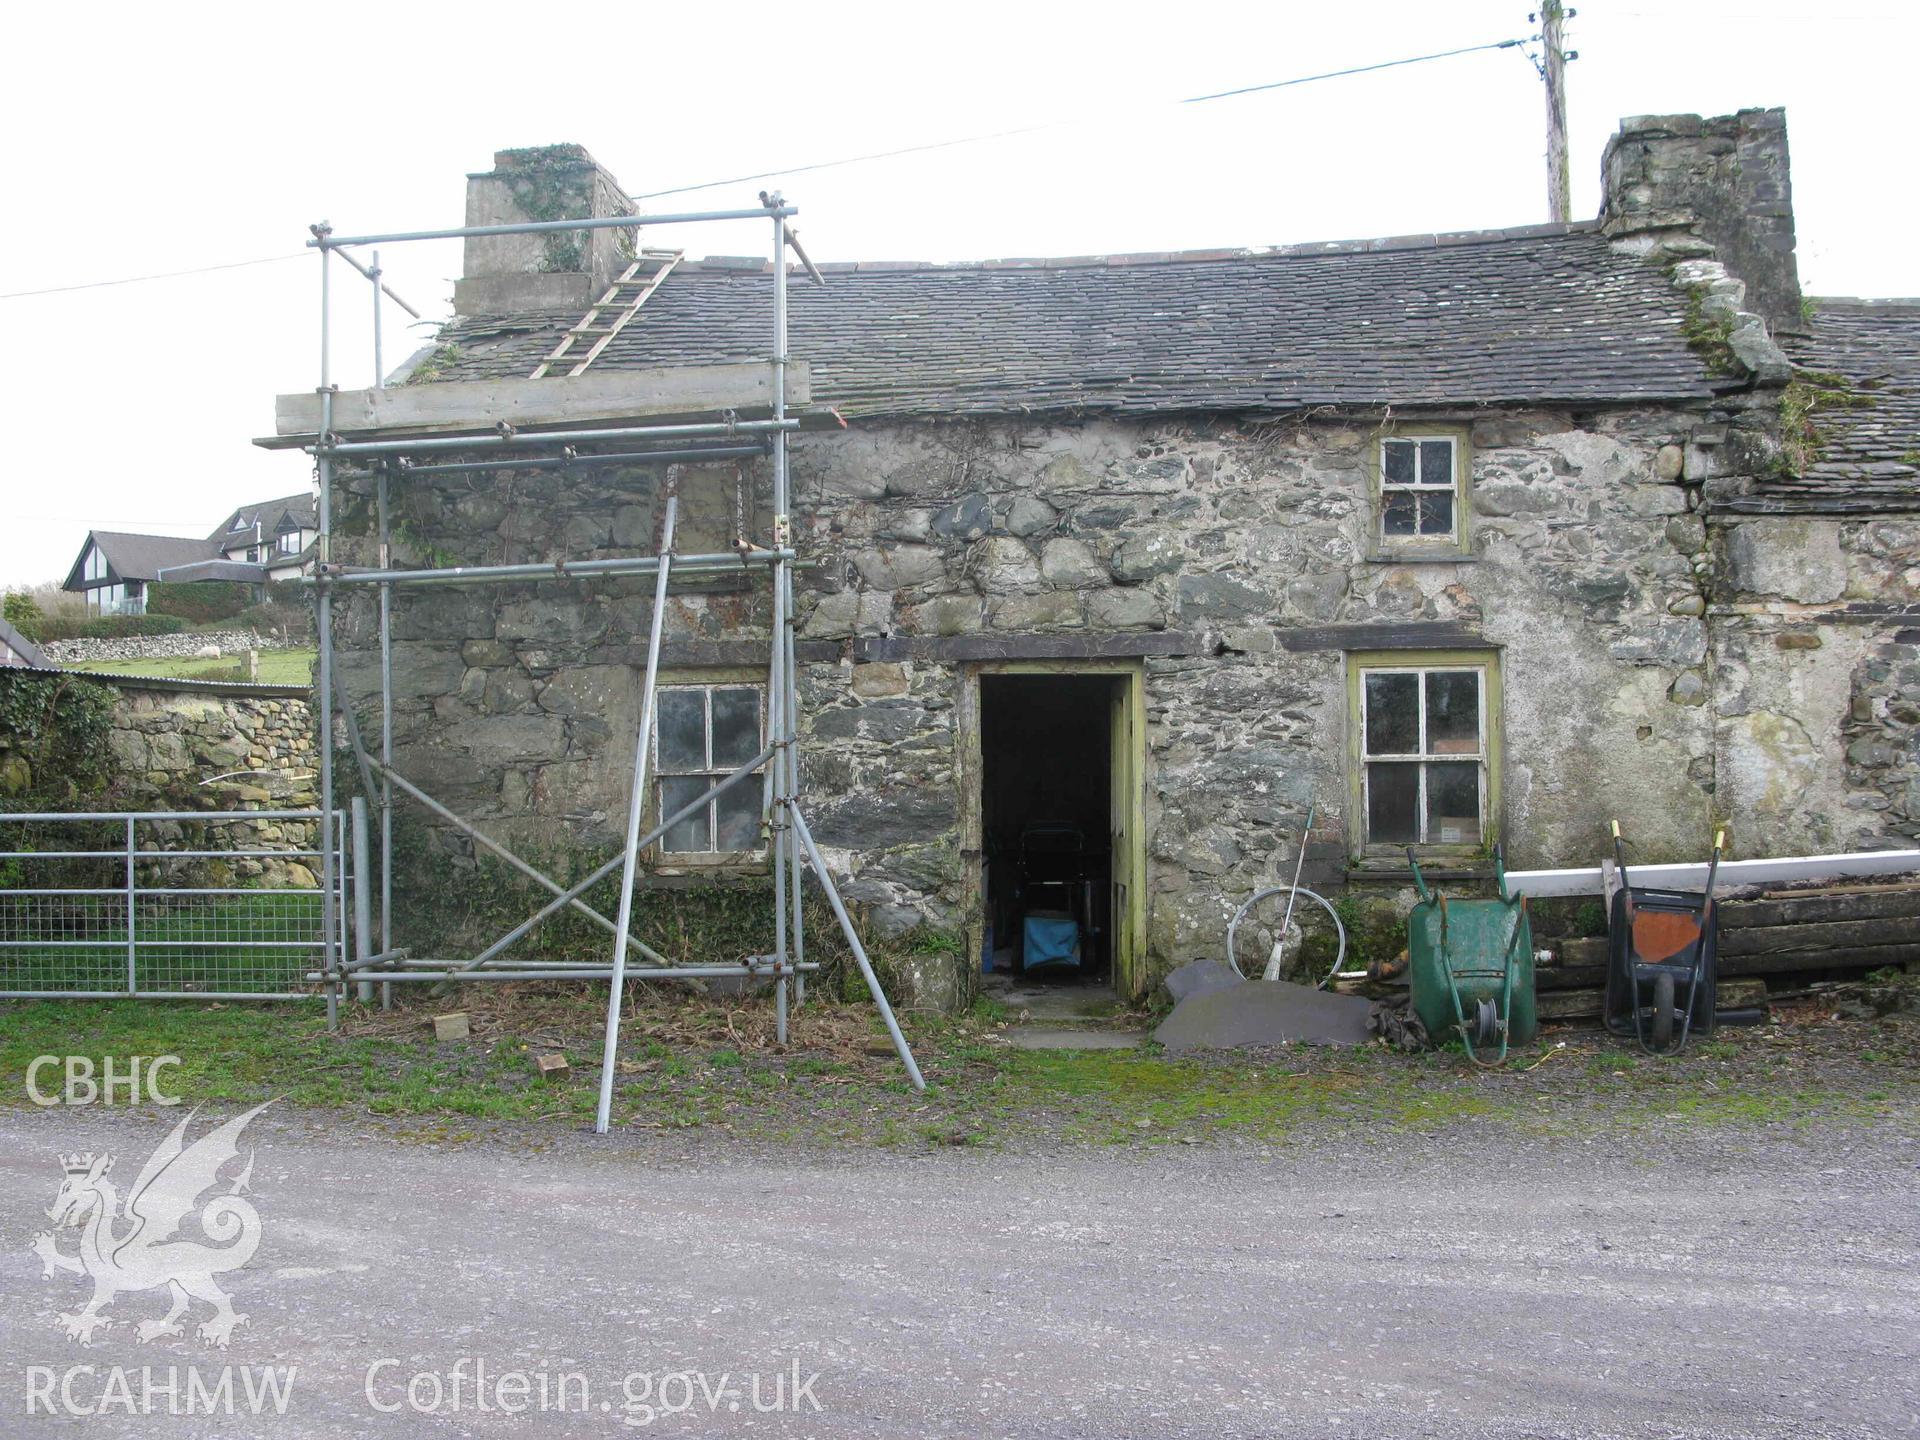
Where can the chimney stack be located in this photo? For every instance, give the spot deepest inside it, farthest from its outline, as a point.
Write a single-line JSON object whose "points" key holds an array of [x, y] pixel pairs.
{"points": [[1678, 186], [559, 270]]}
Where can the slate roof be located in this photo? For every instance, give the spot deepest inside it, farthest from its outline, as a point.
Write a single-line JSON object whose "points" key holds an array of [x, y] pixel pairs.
{"points": [[1868, 457], [139, 557], [289, 512], [1545, 314]]}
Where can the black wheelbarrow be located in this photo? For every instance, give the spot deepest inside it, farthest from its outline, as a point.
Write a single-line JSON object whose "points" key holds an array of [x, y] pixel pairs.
{"points": [[1661, 953]]}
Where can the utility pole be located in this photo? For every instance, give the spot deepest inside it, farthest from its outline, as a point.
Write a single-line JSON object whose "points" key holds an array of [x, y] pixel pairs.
{"points": [[1553, 69]]}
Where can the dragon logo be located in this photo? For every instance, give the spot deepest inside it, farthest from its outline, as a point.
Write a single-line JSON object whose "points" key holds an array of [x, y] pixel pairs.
{"points": [[137, 1247]]}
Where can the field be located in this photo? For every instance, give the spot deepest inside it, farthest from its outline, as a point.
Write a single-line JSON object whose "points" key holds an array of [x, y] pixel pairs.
{"points": [[277, 667]]}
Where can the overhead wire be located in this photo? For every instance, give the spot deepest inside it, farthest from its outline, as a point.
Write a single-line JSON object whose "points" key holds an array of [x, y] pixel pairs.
{"points": [[159, 275], [985, 136], [843, 161]]}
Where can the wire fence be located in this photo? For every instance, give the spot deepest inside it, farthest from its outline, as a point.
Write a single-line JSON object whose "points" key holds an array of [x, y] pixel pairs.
{"points": [[222, 904]]}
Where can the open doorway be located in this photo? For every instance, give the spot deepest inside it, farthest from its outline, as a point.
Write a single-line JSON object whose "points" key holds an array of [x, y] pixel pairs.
{"points": [[1058, 806]]}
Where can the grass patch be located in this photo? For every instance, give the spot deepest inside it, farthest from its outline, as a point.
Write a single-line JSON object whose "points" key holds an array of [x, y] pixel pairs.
{"points": [[693, 1064], [277, 667], [1809, 398], [185, 942]]}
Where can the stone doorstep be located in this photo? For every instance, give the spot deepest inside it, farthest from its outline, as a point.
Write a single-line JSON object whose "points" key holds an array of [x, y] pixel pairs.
{"points": [[1032, 1037]]}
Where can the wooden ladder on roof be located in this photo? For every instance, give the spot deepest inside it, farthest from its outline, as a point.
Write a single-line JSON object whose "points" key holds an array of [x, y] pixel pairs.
{"points": [[582, 345]]}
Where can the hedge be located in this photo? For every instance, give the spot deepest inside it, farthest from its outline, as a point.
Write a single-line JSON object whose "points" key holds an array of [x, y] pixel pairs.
{"points": [[201, 601], [108, 627]]}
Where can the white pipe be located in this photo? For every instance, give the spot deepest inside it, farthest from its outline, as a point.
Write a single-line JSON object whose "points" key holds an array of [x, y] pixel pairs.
{"points": [[1547, 884]]}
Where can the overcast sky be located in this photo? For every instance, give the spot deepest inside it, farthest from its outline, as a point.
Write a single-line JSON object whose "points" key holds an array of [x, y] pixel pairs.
{"points": [[154, 138]]}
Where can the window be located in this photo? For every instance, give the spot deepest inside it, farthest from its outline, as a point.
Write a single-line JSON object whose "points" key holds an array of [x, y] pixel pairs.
{"points": [[290, 542], [705, 732], [96, 567], [1420, 487], [128, 599], [253, 555], [1425, 771]]}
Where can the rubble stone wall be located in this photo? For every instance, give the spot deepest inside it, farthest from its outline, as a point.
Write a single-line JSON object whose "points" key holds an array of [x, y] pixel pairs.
{"points": [[238, 751], [202, 749], [183, 646], [1243, 548], [1817, 682]]}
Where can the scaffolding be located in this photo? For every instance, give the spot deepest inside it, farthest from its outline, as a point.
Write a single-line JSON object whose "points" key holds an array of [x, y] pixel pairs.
{"points": [[793, 850]]}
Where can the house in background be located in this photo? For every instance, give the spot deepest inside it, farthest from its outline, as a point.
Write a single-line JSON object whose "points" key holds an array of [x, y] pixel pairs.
{"points": [[256, 544], [276, 535], [114, 569]]}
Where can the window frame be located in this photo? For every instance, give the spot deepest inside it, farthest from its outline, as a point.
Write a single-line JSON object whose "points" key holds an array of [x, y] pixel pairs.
{"points": [[1382, 546], [709, 857], [1360, 664]]}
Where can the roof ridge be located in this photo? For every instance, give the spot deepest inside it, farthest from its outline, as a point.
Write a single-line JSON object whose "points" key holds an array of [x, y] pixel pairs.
{"points": [[1871, 302], [759, 264], [149, 535]]}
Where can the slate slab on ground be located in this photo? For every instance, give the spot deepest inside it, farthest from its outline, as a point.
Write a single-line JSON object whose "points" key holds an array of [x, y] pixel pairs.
{"points": [[1201, 977], [1264, 1012]]}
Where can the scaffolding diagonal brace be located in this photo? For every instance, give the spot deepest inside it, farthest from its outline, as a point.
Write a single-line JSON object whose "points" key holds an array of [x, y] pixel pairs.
{"points": [[630, 860]]}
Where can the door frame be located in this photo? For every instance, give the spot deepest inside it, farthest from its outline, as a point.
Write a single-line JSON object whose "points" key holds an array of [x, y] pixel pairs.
{"points": [[1129, 929]]}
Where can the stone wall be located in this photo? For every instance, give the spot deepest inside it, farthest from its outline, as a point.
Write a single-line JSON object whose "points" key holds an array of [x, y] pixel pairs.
{"points": [[1244, 549], [227, 751], [204, 749], [1254, 543], [1817, 722], [183, 646]]}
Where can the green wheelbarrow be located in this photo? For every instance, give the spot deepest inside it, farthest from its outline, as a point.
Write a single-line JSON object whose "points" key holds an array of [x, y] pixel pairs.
{"points": [[1470, 964]]}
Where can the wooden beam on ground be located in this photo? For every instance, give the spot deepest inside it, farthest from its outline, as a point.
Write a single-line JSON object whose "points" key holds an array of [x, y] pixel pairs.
{"points": [[1586, 1004], [665, 393], [1884, 903], [1837, 935]]}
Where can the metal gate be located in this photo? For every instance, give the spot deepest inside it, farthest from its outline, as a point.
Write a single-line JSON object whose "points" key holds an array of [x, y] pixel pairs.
{"points": [[221, 904]]}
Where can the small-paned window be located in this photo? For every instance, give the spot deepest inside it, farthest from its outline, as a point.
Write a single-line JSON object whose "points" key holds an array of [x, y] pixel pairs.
{"points": [[1419, 490], [705, 733], [1424, 754]]}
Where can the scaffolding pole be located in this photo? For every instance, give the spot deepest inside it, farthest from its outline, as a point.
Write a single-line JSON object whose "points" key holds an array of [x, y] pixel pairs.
{"points": [[705, 429], [728, 437], [386, 732], [720, 560], [323, 519], [636, 799]]}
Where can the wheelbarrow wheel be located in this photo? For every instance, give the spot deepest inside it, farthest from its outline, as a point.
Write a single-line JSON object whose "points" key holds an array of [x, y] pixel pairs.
{"points": [[1487, 1024], [1662, 1011]]}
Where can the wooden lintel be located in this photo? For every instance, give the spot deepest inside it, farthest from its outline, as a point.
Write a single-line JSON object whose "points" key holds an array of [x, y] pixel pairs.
{"points": [[711, 654], [1386, 635], [695, 392], [1085, 646]]}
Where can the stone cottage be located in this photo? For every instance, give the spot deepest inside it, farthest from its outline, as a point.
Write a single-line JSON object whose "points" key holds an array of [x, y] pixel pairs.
{"points": [[1458, 539]]}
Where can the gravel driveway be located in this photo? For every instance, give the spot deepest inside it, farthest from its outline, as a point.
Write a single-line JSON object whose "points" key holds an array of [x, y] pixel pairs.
{"points": [[1751, 1283]]}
